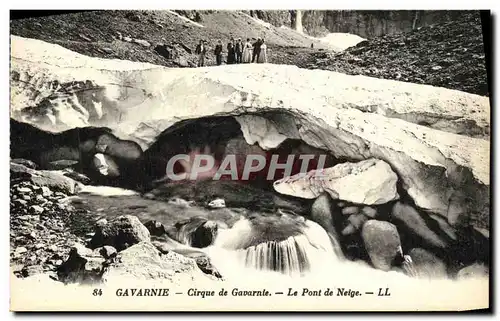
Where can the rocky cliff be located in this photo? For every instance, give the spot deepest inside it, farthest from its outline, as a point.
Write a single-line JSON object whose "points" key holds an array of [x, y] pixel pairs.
{"points": [[364, 23]]}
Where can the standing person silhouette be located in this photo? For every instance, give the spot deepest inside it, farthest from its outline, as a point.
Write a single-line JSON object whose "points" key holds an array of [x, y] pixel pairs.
{"points": [[256, 50], [262, 56], [247, 52], [239, 51], [231, 57], [201, 50], [218, 53]]}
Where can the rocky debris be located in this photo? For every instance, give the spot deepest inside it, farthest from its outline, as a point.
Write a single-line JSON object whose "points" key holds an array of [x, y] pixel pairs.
{"points": [[370, 182], [443, 55], [476, 270], [40, 236], [50, 179], [382, 243], [409, 219], [121, 233], [427, 265]]}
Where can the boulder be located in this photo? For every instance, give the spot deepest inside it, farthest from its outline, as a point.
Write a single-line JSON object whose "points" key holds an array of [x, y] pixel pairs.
{"points": [[196, 232], [355, 222], [476, 270], [155, 228], [354, 118], [427, 265], [382, 243], [408, 218], [121, 232], [370, 182], [143, 261]]}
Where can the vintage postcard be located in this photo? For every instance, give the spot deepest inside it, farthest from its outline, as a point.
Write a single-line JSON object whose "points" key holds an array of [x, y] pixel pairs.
{"points": [[253, 160]]}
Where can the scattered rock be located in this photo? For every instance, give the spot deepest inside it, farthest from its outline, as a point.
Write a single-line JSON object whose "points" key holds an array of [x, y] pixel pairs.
{"points": [[46, 192], [120, 233], [350, 210], [369, 211], [354, 223], [382, 243], [217, 203], [36, 209]]}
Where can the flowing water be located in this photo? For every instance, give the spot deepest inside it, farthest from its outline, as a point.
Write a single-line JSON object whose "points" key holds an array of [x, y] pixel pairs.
{"points": [[260, 248]]}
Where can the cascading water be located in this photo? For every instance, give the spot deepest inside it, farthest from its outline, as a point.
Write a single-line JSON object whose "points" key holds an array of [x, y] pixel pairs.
{"points": [[296, 255]]}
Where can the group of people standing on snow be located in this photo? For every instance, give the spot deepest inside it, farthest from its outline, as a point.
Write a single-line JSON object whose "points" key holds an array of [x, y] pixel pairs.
{"points": [[237, 52]]}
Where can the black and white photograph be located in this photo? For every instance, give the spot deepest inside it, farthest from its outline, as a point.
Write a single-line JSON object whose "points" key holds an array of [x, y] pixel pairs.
{"points": [[250, 160]]}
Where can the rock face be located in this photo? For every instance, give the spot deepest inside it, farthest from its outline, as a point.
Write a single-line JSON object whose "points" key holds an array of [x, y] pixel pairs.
{"points": [[381, 242], [370, 182], [344, 115], [122, 232]]}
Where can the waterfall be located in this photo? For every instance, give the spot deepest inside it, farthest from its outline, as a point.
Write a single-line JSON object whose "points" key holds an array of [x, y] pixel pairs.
{"points": [[295, 255]]}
